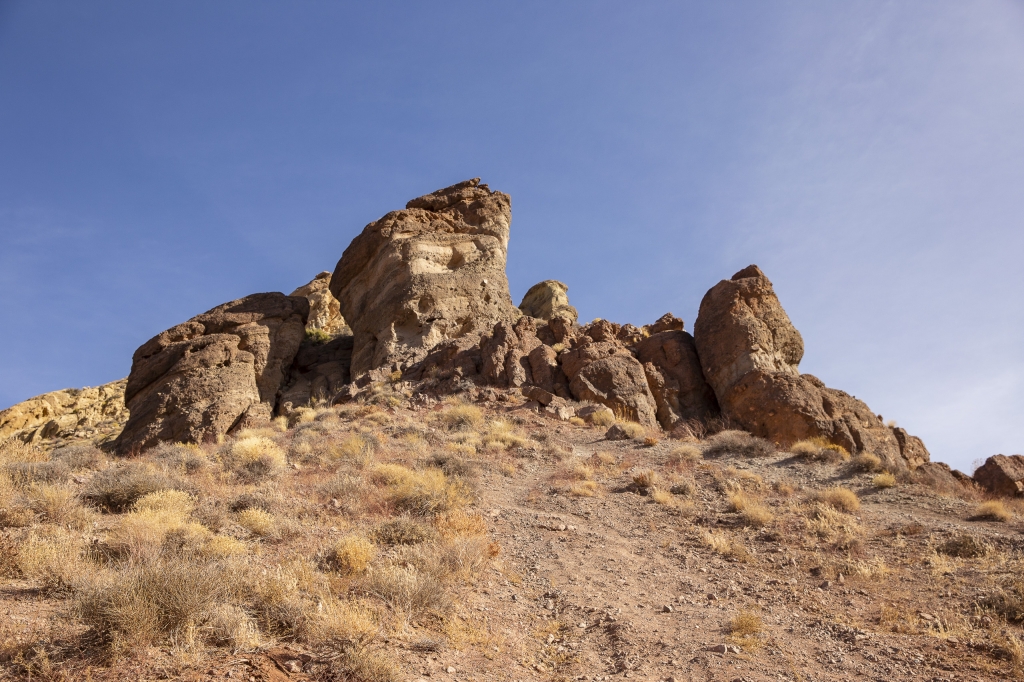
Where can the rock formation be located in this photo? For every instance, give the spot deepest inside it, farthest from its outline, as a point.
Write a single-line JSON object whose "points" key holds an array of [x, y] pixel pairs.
{"points": [[213, 373], [73, 413], [1002, 475], [324, 309], [750, 352], [432, 272], [548, 299]]}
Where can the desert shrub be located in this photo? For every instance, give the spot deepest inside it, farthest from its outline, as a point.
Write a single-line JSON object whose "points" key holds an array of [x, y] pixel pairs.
{"points": [[186, 458], [684, 487], [831, 525], [866, 462], [737, 443], [1008, 600], [841, 499], [409, 590], [27, 473], [601, 418], [746, 623], [251, 501], [819, 450], [260, 523], [402, 530], [351, 555], [158, 522], [256, 457], [363, 663], [884, 480], [230, 625], [501, 434], [630, 429], [427, 491], [117, 488], [455, 466], [56, 560], [964, 546], [459, 523], [646, 479], [342, 625], [57, 504], [584, 489], [683, 456], [993, 510], [78, 457], [460, 417], [354, 447], [146, 602], [721, 543], [222, 547]]}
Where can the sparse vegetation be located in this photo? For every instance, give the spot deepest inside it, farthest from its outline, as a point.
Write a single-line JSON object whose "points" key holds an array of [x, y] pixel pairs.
{"points": [[819, 450], [841, 499], [351, 555], [866, 462], [884, 480], [738, 443], [993, 510]]}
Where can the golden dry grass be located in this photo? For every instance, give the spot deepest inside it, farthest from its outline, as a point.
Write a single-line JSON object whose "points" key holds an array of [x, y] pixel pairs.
{"points": [[866, 462], [993, 510], [351, 555], [841, 499], [884, 480]]}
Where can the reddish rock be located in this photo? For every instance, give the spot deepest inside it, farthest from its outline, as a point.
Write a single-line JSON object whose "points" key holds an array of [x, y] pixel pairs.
{"points": [[1001, 474], [675, 377]]}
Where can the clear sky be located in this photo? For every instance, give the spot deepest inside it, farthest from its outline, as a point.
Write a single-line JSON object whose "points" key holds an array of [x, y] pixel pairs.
{"points": [[157, 159]]}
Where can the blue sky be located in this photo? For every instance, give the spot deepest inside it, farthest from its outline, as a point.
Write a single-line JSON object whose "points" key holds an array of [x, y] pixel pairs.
{"points": [[159, 159]]}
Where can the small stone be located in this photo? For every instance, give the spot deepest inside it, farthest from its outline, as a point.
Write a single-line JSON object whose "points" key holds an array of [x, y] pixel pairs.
{"points": [[927, 616], [551, 638], [666, 609], [335, 502], [293, 666], [582, 625], [719, 649], [550, 605], [840, 579], [825, 585], [450, 670], [561, 526]]}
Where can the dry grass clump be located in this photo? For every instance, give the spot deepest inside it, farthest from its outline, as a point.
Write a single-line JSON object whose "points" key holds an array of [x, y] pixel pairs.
{"points": [[603, 418], [230, 625], [584, 489], [746, 623], [751, 512], [409, 590], [55, 559], [256, 458], [684, 456], [158, 522], [630, 430], [819, 450], [993, 510], [351, 555], [260, 523], [458, 523], [964, 546], [866, 462], [842, 499], [502, 435], [740, 443], [427, 491], [721, 543], [1008, 600], [402, 530], [57, 504], [460, 417], [884, 480], [833, 526], [117, 488], [646, 479]]}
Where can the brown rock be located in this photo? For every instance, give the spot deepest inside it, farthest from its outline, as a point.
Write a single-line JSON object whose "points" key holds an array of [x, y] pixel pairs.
{"points": [[324, 309], [432, 272], [199, 379], [548, 299], [750, 352], [938, 476], [72, 413], [318, 374], [605, 372], [1002, 475], [675, 377], [911, 448]]}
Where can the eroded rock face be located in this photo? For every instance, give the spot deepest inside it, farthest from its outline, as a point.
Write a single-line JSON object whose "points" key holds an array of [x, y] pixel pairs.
{"points": [[432, 272], [1002, 475], [324, 309], [548, 299], [213, 373], [750, 352], [675, 378], [72, 413], [602, 370]]}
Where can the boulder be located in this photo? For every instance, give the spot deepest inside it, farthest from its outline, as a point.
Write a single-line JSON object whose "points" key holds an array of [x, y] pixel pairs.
{"points": [[750, 352], [324, 309], [506, 353], [1002, 475], [548, 299], [601, 370], [216, 372], [675, 378], [427, 274], [319, 372], [911, 448], [71, 413], [939, 476]]}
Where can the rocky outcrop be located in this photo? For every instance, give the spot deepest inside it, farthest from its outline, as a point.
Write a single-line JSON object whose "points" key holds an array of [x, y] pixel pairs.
{"points": [[750, 352], [675, 378], [70, 414], [432, 272], [1002, 475], [324, 309], [320, 371], [601, 369], [216, 372], [912, 448], [548, 299]]}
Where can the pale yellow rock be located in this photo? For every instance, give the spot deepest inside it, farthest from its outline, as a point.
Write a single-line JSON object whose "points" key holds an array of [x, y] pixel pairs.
{"points": [[324, 309], [548, 299], [70, 413]]}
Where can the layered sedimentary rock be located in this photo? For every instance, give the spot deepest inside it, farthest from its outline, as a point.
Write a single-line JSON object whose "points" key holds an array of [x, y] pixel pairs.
{"points": [[750, 352], [324, 309], [72, 413], [213, 373], [420, 276], [548, 299], [319, 373]]}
